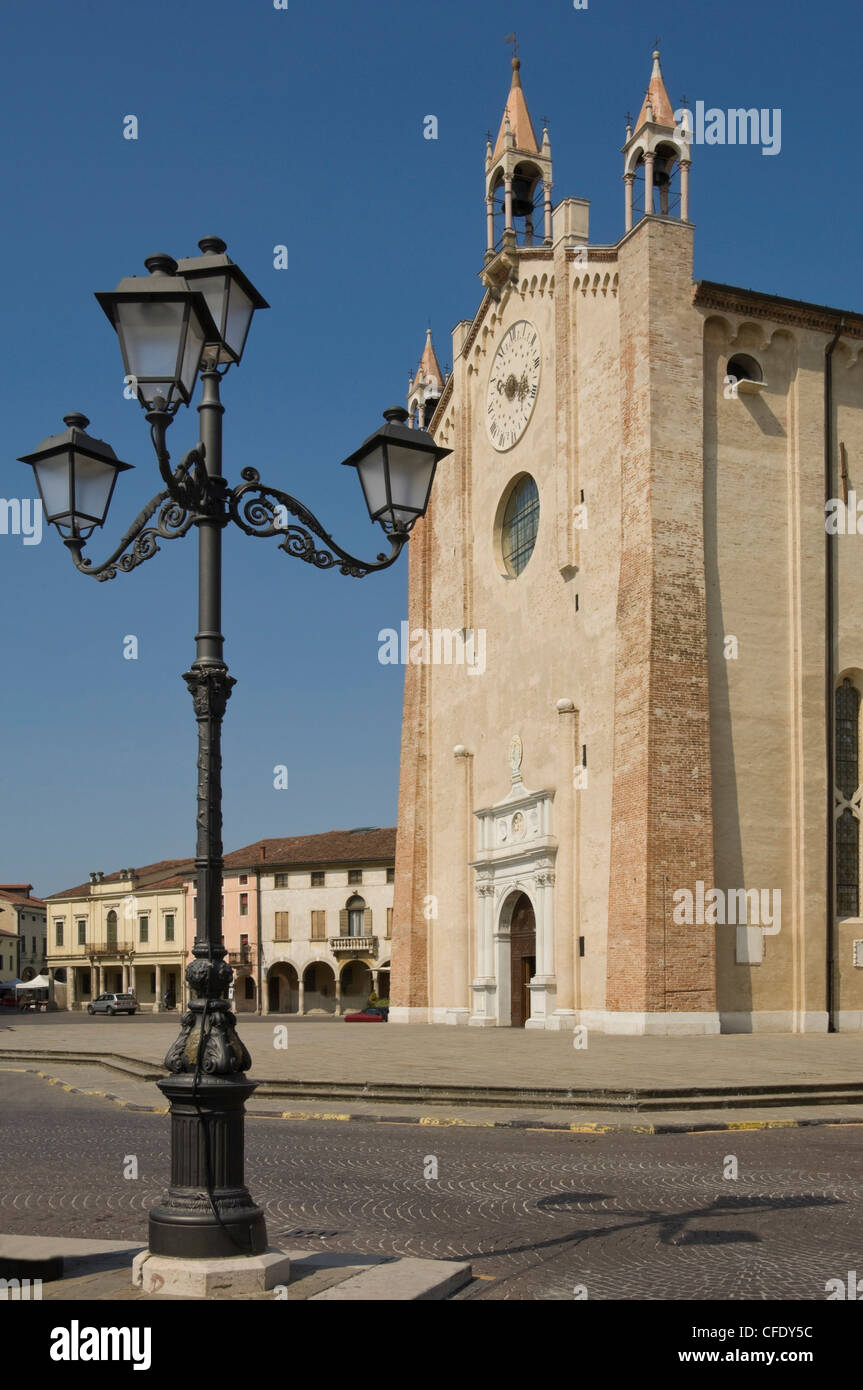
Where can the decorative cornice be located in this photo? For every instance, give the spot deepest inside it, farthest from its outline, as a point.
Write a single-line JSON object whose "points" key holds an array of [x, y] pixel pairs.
{"points": [[796, 313], [595, 256]]}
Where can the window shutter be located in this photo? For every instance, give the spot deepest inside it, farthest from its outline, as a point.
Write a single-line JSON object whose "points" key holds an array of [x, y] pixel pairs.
{"points": [[343, 922], [283, 930], [389, 921], [367, 922], [319, 924]]}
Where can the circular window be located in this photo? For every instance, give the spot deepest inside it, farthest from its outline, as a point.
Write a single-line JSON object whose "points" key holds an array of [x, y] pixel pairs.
{"points": [[519, 525]]}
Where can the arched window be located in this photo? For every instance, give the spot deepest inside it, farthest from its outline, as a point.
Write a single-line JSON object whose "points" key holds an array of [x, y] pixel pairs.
{"points": [[745, 368], [111, 923], [847, 784], [356, 908]]}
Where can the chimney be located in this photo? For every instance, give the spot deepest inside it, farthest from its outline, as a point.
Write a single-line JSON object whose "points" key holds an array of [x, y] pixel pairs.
{"points": [[263, 851]]}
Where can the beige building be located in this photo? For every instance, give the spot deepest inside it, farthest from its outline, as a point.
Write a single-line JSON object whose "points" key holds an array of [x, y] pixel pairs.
{"points": [[8, 955], [23, 916], [634, 803], [321, 906], [120, 932]]}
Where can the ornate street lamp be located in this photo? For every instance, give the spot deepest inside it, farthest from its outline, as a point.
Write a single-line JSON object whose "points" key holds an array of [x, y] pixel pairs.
{"points": [[163, 326], [396, 466], [75, 475], [170, 326], [231, 298]]}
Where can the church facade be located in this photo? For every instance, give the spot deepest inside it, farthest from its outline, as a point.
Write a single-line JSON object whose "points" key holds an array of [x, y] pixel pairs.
{"points": [[640, 812]]}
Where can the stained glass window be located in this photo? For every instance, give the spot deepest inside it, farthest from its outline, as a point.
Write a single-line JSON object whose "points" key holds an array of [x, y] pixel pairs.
{"points": [[847, 739], [520, 525]]}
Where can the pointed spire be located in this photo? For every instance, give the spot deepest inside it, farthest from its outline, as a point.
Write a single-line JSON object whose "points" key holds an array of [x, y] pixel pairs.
{"points": [[428, 370], [516, 118], [657, 107]]}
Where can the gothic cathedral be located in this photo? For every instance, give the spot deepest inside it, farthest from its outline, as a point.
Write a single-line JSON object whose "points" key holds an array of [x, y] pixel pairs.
{"points": [[630, 790]]}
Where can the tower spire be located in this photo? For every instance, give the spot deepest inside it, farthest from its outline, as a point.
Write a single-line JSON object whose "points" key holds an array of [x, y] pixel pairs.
{"points": [[425, 389], [519, 118], [517, 178], [656, 151], [656, 97]]}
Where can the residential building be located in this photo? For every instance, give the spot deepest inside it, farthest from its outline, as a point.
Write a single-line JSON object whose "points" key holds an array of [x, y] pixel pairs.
{"points": [[240, 930], [25, 917], [8, 955], [633, 802], [308, 920], [119, 932]]}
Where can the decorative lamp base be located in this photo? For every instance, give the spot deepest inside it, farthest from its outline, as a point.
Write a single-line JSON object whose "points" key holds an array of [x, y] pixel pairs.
{"points": [[208, 1212]]}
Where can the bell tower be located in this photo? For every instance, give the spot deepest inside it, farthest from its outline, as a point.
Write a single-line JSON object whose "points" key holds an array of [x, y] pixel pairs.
{"points": [[425, 389], [517, 178], [656, 156]]}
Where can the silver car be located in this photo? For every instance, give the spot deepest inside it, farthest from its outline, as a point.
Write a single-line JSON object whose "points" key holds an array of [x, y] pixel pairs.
{"points": [[113, 1004]]}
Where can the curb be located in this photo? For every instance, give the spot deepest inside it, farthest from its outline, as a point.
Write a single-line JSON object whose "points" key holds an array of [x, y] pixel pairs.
{"points": [[456, 1122], [632, 1101]]}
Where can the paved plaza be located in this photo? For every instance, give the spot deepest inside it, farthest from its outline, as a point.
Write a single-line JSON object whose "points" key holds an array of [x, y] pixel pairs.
{"points": [[437, 1054], [538, 1215]]}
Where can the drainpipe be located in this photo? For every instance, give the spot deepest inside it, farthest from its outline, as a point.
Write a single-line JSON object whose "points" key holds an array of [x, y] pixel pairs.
{"points": [[830, 675]]}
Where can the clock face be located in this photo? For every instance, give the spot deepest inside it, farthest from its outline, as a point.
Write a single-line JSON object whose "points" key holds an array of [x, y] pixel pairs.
{"points": [[512, 385]]}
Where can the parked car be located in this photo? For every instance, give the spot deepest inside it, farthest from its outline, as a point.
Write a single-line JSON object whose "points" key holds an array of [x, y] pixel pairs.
{"points": [[113, 1004], [371, 1014]]}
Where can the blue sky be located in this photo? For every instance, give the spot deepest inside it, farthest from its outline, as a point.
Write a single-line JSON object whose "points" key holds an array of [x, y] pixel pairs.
{"points": [[304, 127]]}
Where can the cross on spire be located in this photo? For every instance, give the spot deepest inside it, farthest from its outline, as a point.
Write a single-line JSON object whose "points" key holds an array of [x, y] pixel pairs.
{"points": [[512, 38]]}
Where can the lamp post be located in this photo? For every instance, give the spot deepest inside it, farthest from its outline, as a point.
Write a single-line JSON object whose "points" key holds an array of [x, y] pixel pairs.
{"points": [[184, 318]]}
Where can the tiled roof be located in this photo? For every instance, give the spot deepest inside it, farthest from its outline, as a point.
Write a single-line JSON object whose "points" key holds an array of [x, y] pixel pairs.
{"points": [[364, 846], [19, 899], [151, 871], [176, 881]]}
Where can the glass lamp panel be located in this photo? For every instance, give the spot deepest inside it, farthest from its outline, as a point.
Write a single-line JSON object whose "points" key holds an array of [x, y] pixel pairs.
{"points": [[240, 310], [195, 340], [150, 336], [53, 478], [410, 476], [149, 390], [373, 479], [93, 480], [214, 288]]}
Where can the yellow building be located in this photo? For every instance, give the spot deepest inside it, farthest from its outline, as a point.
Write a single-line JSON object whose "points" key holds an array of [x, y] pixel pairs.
{"points": [[24, 916], [121, 932]]}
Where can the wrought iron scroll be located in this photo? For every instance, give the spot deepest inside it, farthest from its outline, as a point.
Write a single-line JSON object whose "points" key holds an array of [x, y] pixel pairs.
{"points": [[140, 541], [257, 508]]}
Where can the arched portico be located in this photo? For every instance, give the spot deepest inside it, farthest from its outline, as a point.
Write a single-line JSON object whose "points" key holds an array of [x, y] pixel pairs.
{"points": [[355, 979], [282, 986], [320, 989]]}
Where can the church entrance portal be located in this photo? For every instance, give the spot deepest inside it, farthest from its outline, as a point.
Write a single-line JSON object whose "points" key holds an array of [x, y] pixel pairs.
{"points": [[523, 959]]}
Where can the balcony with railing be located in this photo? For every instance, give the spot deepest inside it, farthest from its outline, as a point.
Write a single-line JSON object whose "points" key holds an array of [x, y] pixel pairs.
{"points": [[354, 945], [112, 948], [244, 957]]}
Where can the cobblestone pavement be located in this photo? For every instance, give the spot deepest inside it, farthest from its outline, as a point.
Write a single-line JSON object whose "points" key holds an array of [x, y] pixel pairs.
{"points": [[537, 1213], [336, 1051]]}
